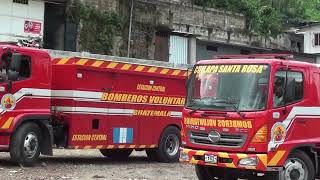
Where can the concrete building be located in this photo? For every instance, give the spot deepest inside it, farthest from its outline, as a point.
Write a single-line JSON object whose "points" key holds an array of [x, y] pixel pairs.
{"points": [[311, 34], [176, 31], [180, 32], [21, 18]]}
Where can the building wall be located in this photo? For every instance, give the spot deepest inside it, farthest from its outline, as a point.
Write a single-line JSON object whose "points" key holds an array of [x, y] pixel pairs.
{"points": [[178, 16], [207, 50], [171, 17], [108, 5], [309, 46], [204, 51], [14, 15], [181, 16]]}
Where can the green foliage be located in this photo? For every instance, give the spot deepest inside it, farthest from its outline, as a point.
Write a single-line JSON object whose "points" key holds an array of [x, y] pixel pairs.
{"points": [[312, 9], [268, 17], [98, 28]]}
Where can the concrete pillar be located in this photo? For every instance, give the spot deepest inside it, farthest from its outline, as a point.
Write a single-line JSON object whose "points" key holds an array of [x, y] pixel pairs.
{"points": [[192, 50]]}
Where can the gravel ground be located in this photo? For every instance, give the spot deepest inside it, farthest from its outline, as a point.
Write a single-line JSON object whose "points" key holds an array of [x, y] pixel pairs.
{"points": [[90, 164]]}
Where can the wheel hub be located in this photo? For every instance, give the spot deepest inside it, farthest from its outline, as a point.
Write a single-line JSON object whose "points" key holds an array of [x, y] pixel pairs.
{"points": [[295, 169], [30, 145], [294, 174], [172, 144]]}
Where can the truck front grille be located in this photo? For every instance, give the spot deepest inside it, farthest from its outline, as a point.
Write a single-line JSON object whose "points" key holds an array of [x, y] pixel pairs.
{"points": [[226, 140]]}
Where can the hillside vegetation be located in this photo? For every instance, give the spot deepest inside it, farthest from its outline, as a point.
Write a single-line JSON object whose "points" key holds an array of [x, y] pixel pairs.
{"points": [[269, 17]]}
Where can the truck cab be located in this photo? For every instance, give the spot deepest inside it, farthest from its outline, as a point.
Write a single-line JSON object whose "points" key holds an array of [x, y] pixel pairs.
{"points": [[25, 83], [249, 116]]}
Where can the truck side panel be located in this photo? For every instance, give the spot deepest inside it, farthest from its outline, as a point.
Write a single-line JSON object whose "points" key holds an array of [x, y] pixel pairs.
{"points": [[115, 105]]}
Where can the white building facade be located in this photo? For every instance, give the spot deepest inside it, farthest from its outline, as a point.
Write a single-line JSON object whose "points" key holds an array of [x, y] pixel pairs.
{"points": [[311, 38], [21, 18]]}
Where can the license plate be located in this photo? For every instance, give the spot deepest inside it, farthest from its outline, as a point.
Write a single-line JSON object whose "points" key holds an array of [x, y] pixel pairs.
{"points": [[213, 159]]}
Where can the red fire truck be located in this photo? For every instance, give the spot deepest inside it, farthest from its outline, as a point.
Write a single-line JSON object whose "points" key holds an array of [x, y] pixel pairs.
{"points": [[254, 116], [87, 103]]}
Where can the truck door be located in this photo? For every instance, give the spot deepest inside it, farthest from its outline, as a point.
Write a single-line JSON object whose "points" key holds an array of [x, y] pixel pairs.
{"points": [[28, 87], [288, 94]]}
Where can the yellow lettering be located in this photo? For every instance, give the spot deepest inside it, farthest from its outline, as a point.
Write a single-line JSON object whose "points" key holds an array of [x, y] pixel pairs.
{"points": [[145, 99], [104, 96], [244, 68], [134, 98], [110, 97], [124, 97], [89, 137], [129, 97], [218, 123], [117, 97], [260, 69]]}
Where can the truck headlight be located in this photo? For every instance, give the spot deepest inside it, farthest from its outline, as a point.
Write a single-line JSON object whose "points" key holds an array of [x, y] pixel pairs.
{"points": [[249, 161]]}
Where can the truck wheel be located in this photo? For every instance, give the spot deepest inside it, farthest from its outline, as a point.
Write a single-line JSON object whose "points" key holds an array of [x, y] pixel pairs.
{"points": [[211, 173], [202, 172], [297, 166], [170, 141], [116, 154], [205, 173], [152, 154], [25, 144]]}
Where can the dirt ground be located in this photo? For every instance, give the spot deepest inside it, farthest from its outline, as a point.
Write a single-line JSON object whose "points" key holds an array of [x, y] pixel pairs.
{"points": [[90, 164]]}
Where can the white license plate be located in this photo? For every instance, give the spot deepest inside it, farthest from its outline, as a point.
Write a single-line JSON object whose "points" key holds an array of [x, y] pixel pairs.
{"points": [[210, 159]]}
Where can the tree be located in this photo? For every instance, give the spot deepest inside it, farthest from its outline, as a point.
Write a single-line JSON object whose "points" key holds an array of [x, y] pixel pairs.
{"points": [[97, 28], [268, 17]]}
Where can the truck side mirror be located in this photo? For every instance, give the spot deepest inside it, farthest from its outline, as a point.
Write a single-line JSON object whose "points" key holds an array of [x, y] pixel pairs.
{"points": [[13, 75], [187, 85], [15, 62], [189, 72], [188, 79]]}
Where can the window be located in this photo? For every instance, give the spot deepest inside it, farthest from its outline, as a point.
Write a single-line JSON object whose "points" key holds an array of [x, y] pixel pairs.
{"points": [[21, 1], [212, 48], [224, 90], [23, 72], [317, 39], [293, 91], [25, 67], [244, 52]]}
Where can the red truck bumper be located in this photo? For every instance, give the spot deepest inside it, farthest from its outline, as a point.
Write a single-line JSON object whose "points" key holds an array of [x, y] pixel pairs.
{"points": [[227, 160]]}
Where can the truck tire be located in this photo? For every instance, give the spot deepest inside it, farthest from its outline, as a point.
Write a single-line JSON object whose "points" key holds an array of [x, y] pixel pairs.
{"points": [[297, 165], [202, 172], [152, 154], [170, 141], [116, 154], [210, 172], [25, 144]]}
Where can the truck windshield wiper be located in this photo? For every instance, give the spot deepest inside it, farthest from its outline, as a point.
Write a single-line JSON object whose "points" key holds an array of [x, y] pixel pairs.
{"points": [[237, 109], [232, 105], [193, 110]]}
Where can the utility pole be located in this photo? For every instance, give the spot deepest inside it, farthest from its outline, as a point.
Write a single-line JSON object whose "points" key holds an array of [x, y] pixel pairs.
{"points": [[130, 29]]}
